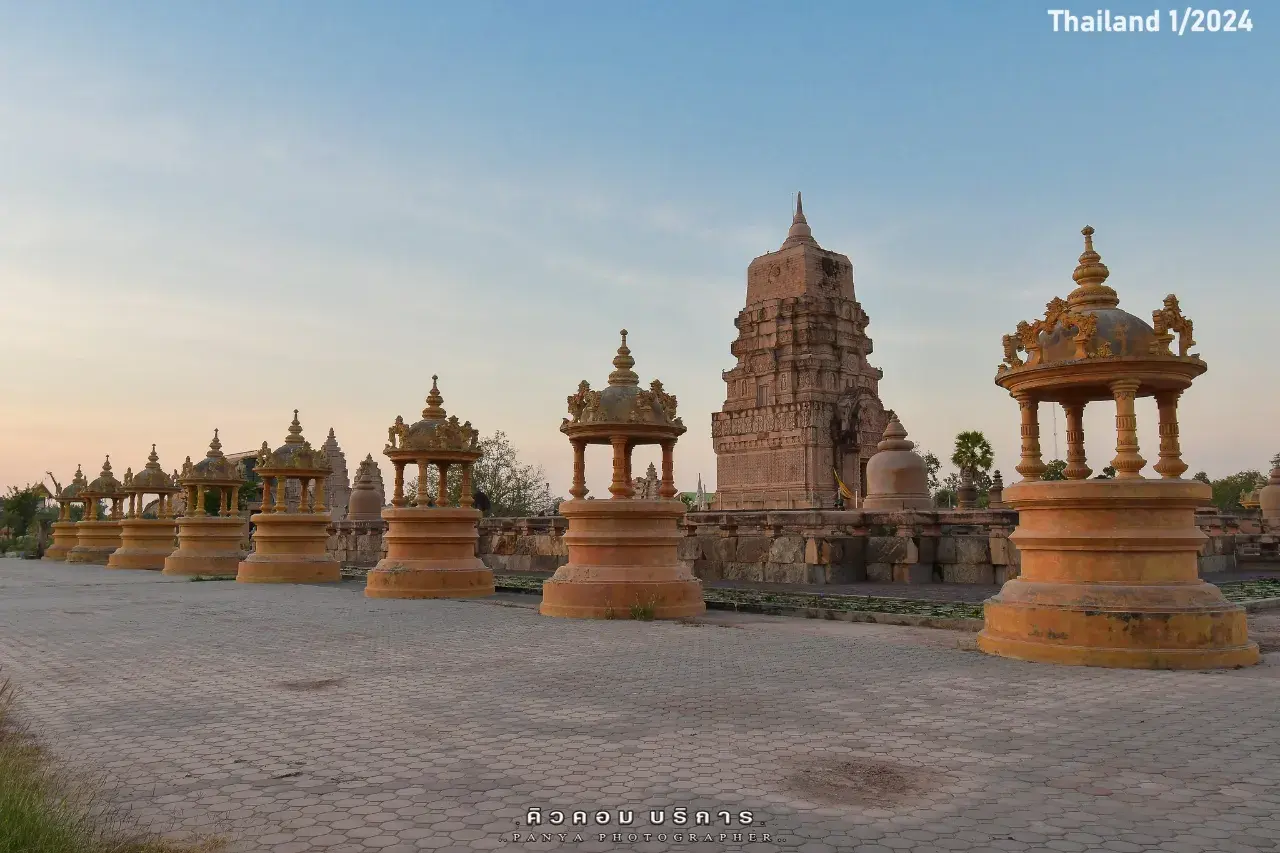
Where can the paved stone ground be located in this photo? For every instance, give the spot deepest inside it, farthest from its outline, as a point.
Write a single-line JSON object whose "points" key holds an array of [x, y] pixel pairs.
{"points": [[934, 591], [295, 719]]}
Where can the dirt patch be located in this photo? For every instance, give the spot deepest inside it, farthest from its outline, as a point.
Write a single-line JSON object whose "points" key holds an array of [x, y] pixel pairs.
{"points": [[862, 782], [314, 684]]}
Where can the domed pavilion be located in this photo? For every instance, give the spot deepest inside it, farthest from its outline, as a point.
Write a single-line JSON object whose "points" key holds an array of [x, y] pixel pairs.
{"points": [[622, 551], [1109, 569], [96, 538], [289, 546], [145, 543], [64, 529], [209, 544], [431, 545]]}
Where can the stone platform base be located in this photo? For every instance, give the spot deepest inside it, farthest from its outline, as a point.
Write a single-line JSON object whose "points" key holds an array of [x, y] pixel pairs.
{"points": [[207, 546], [259, 569], [145, 544], [429, 579], [1170, 632], [621, 599], [1109, 578], [431, 553], [622, 563], [64, 539]]}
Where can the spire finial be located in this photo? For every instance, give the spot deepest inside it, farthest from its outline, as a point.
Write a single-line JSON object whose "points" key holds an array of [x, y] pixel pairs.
{"points": [[153, 461], [295, 431], [622, 363], [1090, 274], [433, 411], [800, 231], [895, 436], [215, 446], [106, 466]]}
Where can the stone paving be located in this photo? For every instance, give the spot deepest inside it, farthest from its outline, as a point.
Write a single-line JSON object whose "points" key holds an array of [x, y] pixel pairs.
{"points": [[294, 719]]}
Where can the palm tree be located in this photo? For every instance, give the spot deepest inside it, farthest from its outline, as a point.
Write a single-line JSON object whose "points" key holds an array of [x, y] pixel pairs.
{"points": [[973, 453]]}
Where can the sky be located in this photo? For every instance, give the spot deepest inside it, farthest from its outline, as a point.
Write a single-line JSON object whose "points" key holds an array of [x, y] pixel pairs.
{"points": [[214, 213]]}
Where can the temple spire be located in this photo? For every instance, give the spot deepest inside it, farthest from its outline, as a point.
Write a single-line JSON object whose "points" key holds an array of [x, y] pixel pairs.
{"points": [[800, 231], [622, 373]]}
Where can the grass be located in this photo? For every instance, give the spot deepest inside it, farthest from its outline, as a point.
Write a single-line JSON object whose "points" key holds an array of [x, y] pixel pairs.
{"points": [[1253, 590], [198, 578], [46, 809]]}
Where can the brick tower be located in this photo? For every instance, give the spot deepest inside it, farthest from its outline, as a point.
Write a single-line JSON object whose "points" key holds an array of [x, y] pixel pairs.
{"points": [[802, 401]]}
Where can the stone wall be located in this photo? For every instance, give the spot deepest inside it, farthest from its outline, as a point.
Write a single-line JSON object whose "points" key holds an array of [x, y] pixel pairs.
{"points": [[839, 547], [357, 544], [819, 546], [523, 544], [1236, 540]]}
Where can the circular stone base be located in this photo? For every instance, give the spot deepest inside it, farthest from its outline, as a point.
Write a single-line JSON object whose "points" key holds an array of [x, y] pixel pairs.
{"points": [[93, 556], [131, 559], [429, 579], [259, 569], [57, 553], [203, 565], [623, 599], [1109, 578]]}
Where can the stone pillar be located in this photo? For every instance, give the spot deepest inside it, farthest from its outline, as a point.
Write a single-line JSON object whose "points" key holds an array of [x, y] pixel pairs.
{"points": [[318, 502], [282, 500], [1077, 467], [266, 495], [397, 499], [579, 488], [621, 485], [1170, 466], [1127, 462], [423, 499], [1030, 466], [668, 488], [199, 501], [442, 487], [464, 497]]}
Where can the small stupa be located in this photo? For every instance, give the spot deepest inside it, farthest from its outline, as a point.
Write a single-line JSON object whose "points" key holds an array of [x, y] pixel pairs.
{"points": [[1269, 498], [622, 551], [64, 529], [289, 544], [1109, 571], [431, 546], [96, 538], [897, 476], [209, 543], [366, 502], [145, 543], [995, 495]]}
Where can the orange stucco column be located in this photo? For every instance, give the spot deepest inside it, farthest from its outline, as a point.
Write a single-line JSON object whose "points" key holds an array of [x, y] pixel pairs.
{"points": [[1170, 465], [1076, 469], [1127, 462], [1030, 466], [620, 487], [579, 488]]}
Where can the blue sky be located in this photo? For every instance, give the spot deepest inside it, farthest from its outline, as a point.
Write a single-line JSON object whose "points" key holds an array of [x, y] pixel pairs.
{"points": [[211, 214]]}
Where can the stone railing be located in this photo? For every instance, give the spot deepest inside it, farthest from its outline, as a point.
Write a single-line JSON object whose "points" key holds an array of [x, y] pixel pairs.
{"points": [[1236, 539], [837, 547], [818, 546]]}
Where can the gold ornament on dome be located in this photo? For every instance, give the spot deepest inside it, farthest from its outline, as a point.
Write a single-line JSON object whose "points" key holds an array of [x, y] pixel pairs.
{"points": [[296, 455], [151, 480], [1089, 325], [105, 486], [623, 401], [435, 433], [213, 469]]}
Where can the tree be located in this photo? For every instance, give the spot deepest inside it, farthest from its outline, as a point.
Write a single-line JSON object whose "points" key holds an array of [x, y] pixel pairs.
{"points": [[931, 466], [1275, 461], [972, 453], [1053, 470], [514, 489], [1228, 491], [1202, 477], [20, 507]]}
